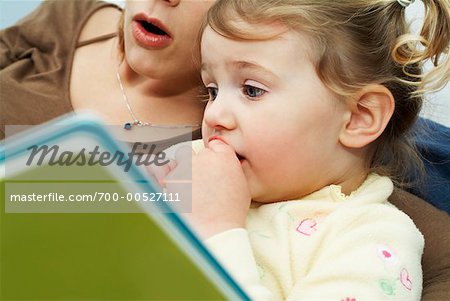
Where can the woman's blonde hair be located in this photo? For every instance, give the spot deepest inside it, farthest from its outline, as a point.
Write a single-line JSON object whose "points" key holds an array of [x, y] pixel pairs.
{"points": [[356, 43]]}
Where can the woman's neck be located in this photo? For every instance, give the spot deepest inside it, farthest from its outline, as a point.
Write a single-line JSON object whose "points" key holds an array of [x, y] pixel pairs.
{"points": [[168, 87], [171, 100]]}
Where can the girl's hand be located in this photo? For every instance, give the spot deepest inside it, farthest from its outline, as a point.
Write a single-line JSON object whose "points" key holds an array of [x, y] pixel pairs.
{"points": [[160, 172], [219, 193]]}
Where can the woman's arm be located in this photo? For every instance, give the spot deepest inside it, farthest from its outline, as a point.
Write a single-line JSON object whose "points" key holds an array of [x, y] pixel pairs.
{"points": [[434, 225], [43, 28]]}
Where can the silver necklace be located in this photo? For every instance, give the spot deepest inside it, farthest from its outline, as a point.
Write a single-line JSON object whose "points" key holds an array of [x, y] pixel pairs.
{"points": [[136, 121]]}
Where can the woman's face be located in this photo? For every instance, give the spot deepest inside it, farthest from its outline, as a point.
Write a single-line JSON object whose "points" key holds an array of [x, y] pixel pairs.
{"points": [[160, 36]]}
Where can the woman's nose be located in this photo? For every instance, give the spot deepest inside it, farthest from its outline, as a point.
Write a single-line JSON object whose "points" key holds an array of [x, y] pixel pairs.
{"points": [[173, 2], [219, 114]]}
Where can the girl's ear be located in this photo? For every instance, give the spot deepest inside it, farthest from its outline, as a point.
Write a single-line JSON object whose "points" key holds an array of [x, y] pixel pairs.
{"points": [[368, 117]]}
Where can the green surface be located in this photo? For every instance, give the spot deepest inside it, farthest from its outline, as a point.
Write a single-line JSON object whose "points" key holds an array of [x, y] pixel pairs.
{"points": [[93, 257]]}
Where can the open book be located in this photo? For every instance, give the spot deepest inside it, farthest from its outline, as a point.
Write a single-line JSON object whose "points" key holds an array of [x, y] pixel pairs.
{"points": [[81, 220]]}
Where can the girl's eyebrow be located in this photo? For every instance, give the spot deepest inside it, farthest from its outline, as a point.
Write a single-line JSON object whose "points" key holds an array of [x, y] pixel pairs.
{"points": [[244, 65], [255, 67]]}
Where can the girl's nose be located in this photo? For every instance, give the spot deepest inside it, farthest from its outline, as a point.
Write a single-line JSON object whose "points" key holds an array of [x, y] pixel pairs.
{"points": [[173, 2], [219, 114]]}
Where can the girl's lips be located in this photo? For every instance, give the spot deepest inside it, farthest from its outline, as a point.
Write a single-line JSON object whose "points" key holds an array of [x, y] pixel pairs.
{"points": [[142, 26], [217, 138], [240, 158]]}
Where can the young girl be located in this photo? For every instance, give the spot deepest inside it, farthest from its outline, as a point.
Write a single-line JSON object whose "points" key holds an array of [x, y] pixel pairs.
{"points": [[309, 107]]}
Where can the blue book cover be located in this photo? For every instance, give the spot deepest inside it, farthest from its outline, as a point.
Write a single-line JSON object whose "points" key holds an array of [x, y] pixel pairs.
{"points": [[81, 220]]}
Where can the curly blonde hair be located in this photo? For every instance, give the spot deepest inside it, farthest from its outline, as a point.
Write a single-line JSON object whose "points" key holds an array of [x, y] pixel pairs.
{"points": [[356, 43]]}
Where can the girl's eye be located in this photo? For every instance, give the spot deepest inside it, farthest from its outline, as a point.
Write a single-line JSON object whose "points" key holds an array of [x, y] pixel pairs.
{"points": [[253, 92], [212, 91]]}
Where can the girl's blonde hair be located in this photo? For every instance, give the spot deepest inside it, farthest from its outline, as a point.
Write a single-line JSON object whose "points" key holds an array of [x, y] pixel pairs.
{"points": [[356, 43]]}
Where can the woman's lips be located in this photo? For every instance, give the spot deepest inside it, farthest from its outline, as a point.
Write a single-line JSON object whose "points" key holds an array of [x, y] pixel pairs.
{"points": [[160, 38], [240, 158]]}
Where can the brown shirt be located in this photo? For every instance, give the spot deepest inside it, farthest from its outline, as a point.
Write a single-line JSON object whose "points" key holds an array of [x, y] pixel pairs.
{"points": [[36, 58]]}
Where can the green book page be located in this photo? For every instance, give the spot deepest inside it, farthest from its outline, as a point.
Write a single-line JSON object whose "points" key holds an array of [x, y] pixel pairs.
{"points": [[94, 256], [101, 253]]}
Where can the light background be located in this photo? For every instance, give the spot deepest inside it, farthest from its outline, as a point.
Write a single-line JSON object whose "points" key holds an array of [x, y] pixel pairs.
{"points": [[436, 106]]}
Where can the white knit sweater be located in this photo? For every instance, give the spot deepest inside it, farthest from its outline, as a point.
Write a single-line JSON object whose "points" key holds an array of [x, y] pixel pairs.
{"points": [[326, 246]]}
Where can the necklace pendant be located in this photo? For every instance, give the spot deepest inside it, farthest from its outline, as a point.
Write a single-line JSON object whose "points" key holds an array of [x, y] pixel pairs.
{"points": [[127, 126]]}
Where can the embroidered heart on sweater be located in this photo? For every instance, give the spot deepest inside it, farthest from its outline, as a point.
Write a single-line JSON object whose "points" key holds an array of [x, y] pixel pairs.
{"points": [[404, 279], [386, 254], [307, 227]]}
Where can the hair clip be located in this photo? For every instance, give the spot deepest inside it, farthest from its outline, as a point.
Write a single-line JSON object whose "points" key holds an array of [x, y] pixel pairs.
{"points": [[405, 3]]}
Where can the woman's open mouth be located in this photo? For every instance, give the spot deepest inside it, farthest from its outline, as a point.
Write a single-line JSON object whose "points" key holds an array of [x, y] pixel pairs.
{"points": [[240, 158], [150, 33]]}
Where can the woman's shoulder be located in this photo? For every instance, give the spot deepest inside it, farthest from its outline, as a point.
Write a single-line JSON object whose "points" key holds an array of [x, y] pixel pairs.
{"points": [[53, 22], [71, 11], [102, 22]]}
